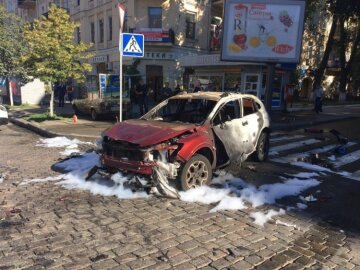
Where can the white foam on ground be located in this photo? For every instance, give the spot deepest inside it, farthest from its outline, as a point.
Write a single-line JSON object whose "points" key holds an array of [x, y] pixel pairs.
{"points": [[1, 180], [236, 192], [71, 145], [261, 218], [301, 206], [77, 169]]}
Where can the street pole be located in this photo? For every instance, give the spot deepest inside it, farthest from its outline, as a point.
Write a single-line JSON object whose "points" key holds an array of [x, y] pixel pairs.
{"points": [[270, 72], [120, 76]]}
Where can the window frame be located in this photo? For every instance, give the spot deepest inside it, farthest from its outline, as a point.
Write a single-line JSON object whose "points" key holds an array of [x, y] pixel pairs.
{"points": [[110, 32], [153, 23], [92, 32], [190, 25], [78, 35], [101, 30]]}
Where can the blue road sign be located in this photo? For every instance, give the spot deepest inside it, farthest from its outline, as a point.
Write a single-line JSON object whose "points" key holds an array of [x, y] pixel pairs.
{"points": [[132, 45]]}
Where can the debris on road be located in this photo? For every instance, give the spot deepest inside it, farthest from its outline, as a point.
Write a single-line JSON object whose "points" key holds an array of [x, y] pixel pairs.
{"points": [[279, 222], [98, 257]]}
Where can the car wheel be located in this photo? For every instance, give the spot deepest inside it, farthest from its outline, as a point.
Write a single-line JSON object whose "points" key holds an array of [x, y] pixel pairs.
{"points": [[196, 172], [262, 148], [94, 115]]}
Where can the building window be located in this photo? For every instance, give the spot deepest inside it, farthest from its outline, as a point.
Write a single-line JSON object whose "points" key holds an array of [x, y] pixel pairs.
{"points": [[190, 25], [155, 17], [110, 28], [78, 2], [101, 30], [78, 35], [92, 32]]}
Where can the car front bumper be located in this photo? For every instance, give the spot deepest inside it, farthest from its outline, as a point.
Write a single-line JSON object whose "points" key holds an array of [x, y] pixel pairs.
{"points": [[140, 167]]}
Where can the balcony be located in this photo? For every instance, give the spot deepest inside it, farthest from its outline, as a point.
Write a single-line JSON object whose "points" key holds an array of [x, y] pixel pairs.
{"points": [[27, 4]]}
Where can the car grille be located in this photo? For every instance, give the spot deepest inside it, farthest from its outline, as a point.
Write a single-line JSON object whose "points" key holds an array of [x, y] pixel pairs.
{"points": [[121, 150]]}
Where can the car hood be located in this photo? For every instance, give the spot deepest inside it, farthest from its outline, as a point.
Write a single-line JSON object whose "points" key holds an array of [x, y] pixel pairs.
{"points": [[146, 132]]}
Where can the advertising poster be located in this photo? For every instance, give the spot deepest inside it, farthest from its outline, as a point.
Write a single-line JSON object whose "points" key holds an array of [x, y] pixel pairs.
{"points": [[263, 31]]}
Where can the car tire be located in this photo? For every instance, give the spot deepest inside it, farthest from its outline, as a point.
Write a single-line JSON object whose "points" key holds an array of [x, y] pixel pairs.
{"points": [[262, 147], [94, 115], [196, 172]]}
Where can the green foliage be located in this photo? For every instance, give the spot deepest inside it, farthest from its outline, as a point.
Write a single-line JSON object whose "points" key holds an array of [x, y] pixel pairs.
{"points": [[52, 54], [12, 46], [41, 117]]}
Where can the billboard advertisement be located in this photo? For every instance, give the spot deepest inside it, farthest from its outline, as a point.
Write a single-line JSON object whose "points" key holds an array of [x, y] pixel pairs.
{"points": [[263, 30]]}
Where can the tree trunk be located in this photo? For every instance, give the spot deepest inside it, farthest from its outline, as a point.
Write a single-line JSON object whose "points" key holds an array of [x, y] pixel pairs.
{"points": [[343, 73], [353, 50], [320, 71], [51, 100]]}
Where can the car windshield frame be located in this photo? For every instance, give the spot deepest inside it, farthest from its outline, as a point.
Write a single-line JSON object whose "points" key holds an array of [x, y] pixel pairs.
{"points": [[182, 110]]}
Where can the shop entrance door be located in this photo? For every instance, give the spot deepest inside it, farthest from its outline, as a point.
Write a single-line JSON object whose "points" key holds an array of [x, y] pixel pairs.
{"points": [[154, 80], [252, 82]]}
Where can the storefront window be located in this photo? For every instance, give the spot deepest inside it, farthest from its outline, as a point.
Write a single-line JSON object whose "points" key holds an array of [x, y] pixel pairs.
{"points": [[232, 82], [251, 84]]}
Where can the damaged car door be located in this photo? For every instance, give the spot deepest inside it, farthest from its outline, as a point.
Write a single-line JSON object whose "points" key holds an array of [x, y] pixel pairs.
{"points": [[232, 130]]}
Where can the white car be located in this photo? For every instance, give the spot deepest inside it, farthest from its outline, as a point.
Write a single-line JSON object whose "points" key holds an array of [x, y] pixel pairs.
{"points": [[4, 119]]}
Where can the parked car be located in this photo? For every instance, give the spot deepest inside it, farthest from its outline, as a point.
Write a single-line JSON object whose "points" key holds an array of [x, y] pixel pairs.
{"points": [[4, 119], [100, 107], [189, 135]]}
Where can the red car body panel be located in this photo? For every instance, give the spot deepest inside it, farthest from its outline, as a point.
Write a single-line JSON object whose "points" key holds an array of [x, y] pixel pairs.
{"points": [[202, 138], [146, 132]]}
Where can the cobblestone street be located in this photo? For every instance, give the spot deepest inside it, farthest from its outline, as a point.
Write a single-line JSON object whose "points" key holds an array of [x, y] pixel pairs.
{"points": [[43, 225]]}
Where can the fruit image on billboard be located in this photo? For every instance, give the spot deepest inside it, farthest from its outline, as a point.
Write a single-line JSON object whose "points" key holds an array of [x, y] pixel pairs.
{"points": [[263, 31]]}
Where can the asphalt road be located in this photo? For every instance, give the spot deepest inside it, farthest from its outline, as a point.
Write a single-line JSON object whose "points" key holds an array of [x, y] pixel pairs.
{"points": [[44, 226]]}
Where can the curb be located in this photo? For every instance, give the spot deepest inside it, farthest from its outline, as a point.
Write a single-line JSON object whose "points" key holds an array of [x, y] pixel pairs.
{"points": [[303, 124], [35, 128], [46, 133]]}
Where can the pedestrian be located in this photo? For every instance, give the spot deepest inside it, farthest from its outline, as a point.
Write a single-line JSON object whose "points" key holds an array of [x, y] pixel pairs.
{"points": [[142, 92], [69, 91], [61, 92], [318, 94], [197, 86], [177, 90], [288, 96], [166, 92]]}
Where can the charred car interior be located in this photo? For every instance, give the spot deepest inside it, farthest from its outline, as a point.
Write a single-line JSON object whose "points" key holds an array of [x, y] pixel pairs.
{"points": [[182, 140]]}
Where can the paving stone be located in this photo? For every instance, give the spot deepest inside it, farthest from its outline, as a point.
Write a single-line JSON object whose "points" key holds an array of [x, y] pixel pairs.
{"points": [[244, 265], [141, 263]]}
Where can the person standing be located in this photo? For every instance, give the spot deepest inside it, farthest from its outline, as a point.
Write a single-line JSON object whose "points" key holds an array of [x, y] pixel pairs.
{"points": [[142, 92], [69, 91], [318, 98], [166, 91], [61, 91]]}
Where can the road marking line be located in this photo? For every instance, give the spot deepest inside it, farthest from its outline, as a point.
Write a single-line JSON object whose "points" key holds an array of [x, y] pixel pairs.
{"points": [[346, 159], [286, 138], [297, 156], [275, 150]]}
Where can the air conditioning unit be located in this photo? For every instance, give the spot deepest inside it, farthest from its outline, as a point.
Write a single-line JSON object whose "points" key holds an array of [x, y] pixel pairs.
{"points": [[109, 66]]}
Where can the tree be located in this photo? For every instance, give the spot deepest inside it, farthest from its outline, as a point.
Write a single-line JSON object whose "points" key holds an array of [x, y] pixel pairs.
{"points": [[343, 11], [12, 46], [52, 54]]}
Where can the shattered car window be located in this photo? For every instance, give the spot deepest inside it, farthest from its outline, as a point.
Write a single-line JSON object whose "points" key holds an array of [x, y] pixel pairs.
{"points": [[194, 111]]}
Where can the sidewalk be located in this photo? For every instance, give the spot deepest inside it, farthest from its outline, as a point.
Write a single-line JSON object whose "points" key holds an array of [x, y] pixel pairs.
{"points": [[87, 129]]}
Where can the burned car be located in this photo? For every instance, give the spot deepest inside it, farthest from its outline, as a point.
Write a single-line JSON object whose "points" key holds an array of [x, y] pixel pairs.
{"points": [[188, 136]]}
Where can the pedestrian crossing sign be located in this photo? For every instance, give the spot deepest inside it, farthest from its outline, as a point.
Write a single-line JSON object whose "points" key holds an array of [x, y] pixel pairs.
{"points": [[132, 45]]}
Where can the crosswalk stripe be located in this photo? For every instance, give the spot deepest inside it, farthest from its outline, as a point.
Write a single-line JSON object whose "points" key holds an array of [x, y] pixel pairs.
{"points": [[297, 156], [346, 159], [280, 148], [283, 138], [355, 176]]}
